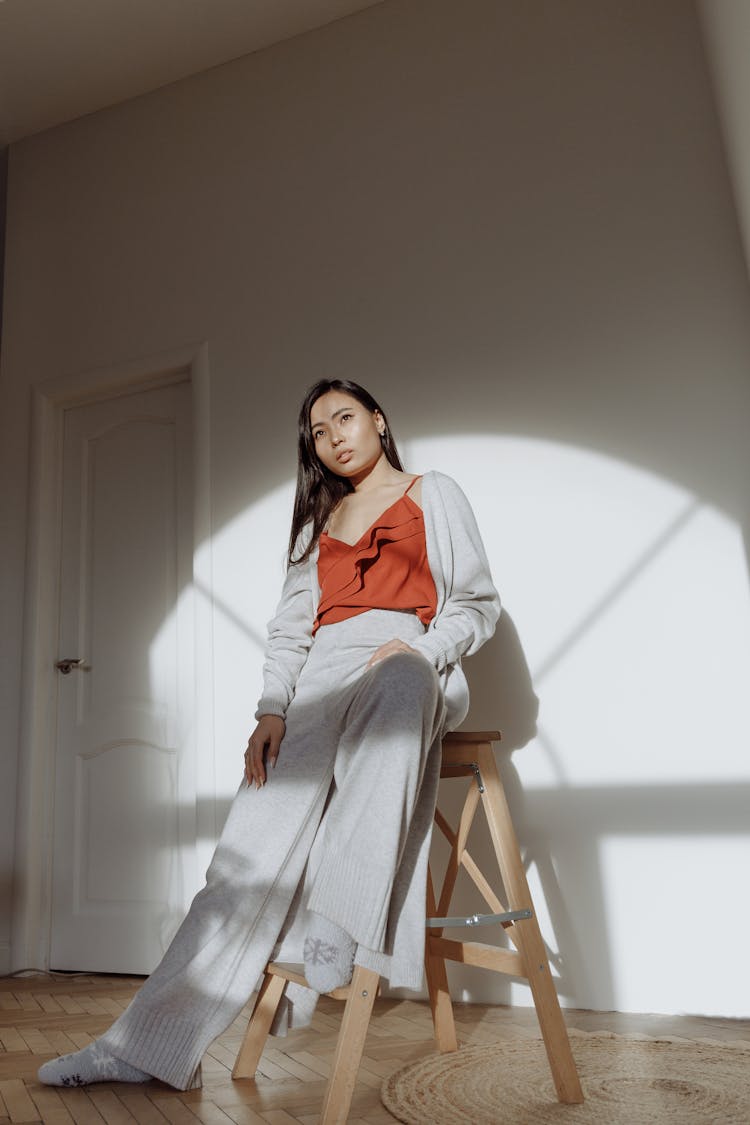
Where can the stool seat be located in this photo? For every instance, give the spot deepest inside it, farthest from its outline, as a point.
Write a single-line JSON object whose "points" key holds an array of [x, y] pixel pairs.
{"points": [[466, 754]]}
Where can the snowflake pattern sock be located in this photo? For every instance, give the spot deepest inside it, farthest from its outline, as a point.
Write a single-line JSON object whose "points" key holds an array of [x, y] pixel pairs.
{"points": [[92, 1064], [329, 955]]}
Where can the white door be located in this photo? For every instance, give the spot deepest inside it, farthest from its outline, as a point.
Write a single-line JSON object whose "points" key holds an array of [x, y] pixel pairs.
{"points": [[124, 809]]}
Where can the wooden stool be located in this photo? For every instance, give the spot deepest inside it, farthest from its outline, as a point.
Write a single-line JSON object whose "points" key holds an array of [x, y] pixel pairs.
{"points": [[469, 754], [464, 754]]}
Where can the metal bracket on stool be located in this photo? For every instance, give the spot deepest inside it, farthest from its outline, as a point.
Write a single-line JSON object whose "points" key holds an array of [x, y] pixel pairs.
{"points": [[478, 919], [478, 777]]}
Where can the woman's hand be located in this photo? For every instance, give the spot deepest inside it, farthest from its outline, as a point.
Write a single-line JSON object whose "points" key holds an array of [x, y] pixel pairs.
{"points": [[263, 745], [388, 649]]}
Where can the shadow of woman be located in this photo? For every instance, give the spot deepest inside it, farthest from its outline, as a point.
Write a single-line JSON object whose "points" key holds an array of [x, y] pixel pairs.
{"points": [[503, 697], [502, 694]]}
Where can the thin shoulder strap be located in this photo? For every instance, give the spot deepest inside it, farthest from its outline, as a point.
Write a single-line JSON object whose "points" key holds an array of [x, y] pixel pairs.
{"points": [[411, 482]]}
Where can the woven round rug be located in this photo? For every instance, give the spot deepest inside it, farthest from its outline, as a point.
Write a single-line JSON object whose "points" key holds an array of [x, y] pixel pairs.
{"points": [[627, 1080]]}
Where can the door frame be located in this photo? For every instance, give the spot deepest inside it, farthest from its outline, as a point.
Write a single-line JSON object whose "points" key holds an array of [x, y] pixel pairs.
{"points": [[32, 899]]}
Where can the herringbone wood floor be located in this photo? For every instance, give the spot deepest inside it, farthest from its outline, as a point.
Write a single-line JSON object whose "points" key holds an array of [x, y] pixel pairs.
{"points": [[44, 1016]]}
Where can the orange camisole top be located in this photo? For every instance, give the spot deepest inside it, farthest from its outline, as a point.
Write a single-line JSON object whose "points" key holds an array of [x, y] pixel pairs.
{"points": [[386, 568]]}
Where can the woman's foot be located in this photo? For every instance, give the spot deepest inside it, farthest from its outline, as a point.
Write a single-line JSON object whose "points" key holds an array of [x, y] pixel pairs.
{"points": [[92, 1064], [329, 955]]}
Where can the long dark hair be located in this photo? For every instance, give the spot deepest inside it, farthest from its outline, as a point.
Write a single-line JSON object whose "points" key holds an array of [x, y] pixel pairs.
{"points": [[318, 489]]}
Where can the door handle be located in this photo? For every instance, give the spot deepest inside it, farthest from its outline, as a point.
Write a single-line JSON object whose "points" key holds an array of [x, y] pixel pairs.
{"points": [[67, 666]]}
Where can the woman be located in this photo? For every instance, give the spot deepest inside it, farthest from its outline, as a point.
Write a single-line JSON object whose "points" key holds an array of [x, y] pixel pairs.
{"points": [[325, 848]]}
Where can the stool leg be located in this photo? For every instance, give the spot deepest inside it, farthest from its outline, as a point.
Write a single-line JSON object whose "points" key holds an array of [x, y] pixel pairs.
{"points": [[527, 933], [349, 1047], [437, 985], [264, 1010]]}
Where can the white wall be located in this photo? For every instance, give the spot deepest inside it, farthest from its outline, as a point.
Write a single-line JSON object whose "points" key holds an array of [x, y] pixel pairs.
{"points": [[513, 223]]}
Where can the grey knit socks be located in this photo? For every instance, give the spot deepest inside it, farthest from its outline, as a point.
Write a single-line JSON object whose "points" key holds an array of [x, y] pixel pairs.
{"points": [[329, 955], [92, 1064]]}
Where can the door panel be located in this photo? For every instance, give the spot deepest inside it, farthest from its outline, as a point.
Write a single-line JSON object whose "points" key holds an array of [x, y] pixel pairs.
{"points": [[124, 801]]}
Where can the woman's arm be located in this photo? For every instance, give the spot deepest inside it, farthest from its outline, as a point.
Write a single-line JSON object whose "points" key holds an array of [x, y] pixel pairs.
{"points": [[289, 640], [472, 605]]}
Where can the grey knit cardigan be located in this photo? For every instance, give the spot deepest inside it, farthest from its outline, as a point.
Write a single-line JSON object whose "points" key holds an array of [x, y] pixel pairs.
{"points": [[468, 604]]}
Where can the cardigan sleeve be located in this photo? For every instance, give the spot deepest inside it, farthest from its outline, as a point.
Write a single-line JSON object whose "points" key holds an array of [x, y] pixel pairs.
{"points": [[289, 640], [471, 607]]}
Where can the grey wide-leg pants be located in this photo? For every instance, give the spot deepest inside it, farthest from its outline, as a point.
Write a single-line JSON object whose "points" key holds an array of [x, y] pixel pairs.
{"points": [[370, 731]]}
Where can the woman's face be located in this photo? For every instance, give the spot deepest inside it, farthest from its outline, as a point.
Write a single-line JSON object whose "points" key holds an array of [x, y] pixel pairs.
{"points": [[346, 436]]}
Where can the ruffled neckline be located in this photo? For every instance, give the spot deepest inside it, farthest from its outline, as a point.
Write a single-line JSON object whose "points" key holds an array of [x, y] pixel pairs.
{"points": [[345, 576], [384, 520]]}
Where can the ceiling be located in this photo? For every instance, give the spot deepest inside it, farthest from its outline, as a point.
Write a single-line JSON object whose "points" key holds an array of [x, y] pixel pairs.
{"points": [[61, 59]]}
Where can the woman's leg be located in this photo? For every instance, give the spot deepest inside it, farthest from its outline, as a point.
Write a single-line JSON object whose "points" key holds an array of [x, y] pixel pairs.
{"points": [[221, 949], [394, 714], [222, 946]]}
